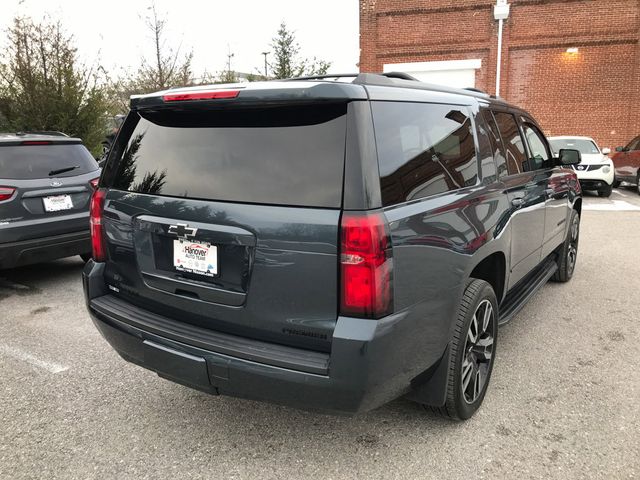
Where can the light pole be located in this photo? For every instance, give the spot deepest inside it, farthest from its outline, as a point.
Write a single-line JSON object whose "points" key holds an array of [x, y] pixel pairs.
{"points": [[229, 57], [265, 64]]}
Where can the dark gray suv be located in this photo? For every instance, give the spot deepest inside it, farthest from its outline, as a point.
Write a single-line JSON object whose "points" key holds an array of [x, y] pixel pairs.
{"points": [[327, 243], [46, 182]]}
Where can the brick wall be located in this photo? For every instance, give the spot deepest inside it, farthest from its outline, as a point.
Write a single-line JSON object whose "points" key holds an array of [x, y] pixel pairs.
{"points": [[595, 92]]}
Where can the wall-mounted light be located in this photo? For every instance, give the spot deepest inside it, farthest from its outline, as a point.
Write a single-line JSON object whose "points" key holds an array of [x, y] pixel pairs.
{"points": [[572, 50]]}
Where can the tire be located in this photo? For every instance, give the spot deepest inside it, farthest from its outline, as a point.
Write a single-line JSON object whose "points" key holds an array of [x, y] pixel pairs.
{"points": [[638, 183], [615, 184], [605, 191], [471, 360], [568, 253], [85, 257]]}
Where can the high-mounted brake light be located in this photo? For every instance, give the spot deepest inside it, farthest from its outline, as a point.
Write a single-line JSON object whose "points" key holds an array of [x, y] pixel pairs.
{"points": [[36, 142], [366, 266], [6, 193], [209, 95], [95, 221]]}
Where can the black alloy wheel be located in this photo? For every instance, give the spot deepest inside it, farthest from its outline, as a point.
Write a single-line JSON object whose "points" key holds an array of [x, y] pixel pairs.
{"points": [[478, 350]]}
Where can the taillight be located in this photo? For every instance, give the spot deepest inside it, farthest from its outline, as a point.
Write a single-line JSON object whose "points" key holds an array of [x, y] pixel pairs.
{"points": [[210, 95], [366, 266], [94, 182], [95, 219], [6, 193]]}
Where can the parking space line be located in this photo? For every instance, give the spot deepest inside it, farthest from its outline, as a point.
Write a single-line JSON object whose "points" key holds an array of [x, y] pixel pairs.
{"points": [[18, 354], [615, 206], [620, 193]]}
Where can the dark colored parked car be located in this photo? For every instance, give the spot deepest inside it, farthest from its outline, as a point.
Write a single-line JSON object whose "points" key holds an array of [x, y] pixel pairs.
{"points": [[327, 244], [627, 163], [46, 182]]}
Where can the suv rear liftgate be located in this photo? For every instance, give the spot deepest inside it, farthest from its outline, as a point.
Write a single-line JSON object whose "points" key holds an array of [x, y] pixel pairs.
{"points": [[214, 216]]}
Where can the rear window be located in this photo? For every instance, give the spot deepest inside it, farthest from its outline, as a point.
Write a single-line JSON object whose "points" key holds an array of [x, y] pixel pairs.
{"points": [[278, 155], [423, 149], [25, 162]]}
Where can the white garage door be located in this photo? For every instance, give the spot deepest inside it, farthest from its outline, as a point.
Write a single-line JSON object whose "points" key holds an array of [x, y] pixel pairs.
{"points": [[453, 73]]}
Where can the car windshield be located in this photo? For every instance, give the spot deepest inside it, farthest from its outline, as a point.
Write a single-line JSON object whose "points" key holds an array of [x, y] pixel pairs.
{"points": [[586, 147]]}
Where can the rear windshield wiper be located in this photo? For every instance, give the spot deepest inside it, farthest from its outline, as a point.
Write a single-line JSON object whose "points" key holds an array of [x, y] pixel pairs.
{"points": [[63, 170]]}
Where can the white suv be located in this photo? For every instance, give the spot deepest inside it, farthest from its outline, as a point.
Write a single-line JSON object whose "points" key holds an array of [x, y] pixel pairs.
{"points": [[595, 171]]}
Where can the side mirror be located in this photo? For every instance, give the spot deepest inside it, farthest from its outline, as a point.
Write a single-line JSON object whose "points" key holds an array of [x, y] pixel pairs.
{"points": [[569, 157], [619, 149], [606, 151]]}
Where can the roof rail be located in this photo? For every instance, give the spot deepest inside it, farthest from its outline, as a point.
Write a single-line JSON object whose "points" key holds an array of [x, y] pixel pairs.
{"points": [[400, 75], [324, 76], [52, 133], [397, 79], [477, 90], [360, 77]]}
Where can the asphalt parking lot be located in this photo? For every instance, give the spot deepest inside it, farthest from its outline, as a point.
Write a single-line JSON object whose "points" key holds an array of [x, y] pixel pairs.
{"points": [[563, 402]]}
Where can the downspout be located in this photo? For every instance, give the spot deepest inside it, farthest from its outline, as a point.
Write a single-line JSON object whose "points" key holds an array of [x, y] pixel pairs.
{"points": [[500, 13], [499, 62]]}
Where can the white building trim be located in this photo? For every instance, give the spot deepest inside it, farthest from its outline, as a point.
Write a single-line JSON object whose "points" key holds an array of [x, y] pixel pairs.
{"points": [[474, 63]]}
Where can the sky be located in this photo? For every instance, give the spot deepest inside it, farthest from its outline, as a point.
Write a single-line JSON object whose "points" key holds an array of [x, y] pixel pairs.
{"points": [[112, 32]]}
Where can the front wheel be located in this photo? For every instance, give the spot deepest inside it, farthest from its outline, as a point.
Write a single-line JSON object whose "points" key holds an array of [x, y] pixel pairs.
{"points": [[605, 191], [638, 183], [472, 351], [615, 184], [568, 254]]}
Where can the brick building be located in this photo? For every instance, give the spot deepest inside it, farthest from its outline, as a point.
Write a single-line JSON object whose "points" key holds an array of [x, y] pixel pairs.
{"points": [[574, 64]]}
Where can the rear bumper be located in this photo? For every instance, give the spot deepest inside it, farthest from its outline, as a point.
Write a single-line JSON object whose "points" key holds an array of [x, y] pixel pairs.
{"points": [[44, 249], [366, 368]]}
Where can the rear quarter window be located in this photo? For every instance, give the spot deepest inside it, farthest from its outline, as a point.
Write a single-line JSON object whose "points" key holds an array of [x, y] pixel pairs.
{"points": [[423, 149], [280, 155], [27, 162]]}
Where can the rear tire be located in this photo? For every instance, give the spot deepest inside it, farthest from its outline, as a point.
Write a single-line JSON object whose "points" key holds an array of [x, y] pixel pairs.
{"points": [[615, 184], [472, 351], [638, 183], [605, 191], [568, 253]]}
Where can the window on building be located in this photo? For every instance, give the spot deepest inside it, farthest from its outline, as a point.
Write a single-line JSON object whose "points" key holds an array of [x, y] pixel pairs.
{"points": [[423, 149], [513, 144]]}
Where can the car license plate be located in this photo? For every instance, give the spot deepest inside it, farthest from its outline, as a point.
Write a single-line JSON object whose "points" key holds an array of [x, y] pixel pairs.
{"points": [[57, 203], [195, 257]]}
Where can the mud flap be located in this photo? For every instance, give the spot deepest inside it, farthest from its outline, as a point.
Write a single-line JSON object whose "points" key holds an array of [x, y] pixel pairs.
{"points": [[430, 387]]}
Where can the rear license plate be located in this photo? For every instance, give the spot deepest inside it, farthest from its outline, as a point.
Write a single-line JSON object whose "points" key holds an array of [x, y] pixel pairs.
{"points": [[57, 203], [195, 257]]}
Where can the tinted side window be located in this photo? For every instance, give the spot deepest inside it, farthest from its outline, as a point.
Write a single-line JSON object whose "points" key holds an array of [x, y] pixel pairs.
{"points": [[423, 149], [539, 154], [513, 144], [634, 144], [499, 152], [488, 166]]}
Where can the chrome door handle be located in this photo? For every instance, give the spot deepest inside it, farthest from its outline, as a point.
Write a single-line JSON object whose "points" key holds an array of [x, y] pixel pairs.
{"points": [[549, 192], [517, 202]]}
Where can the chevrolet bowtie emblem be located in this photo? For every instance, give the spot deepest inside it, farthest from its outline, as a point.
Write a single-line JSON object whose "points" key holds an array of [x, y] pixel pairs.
{"points": [[183, 230]]}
